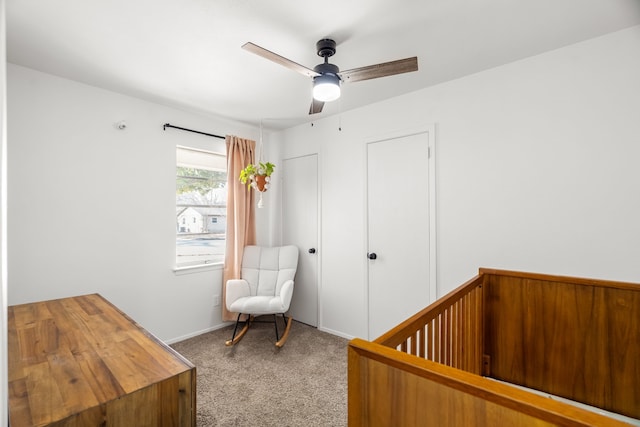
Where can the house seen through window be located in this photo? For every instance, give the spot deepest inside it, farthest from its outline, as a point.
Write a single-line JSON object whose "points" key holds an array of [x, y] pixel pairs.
{"points": [[201, 207]]}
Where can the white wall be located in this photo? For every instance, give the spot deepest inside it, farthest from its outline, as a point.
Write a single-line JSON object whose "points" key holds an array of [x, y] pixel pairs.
{"points": [[537, 170], [78, 187], [3, 223]]}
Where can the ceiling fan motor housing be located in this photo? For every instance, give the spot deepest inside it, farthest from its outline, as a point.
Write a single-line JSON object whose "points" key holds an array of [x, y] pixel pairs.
{"points": [[326, 68], [326, 48]]}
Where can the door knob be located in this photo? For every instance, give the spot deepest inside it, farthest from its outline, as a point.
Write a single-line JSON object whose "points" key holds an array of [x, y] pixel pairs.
{"points": [[372, 255], [312, 250]]}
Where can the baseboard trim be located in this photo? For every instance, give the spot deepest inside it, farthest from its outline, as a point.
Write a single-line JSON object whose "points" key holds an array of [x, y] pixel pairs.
{"points": [[337, 333], [224, 325], [195, 334]]}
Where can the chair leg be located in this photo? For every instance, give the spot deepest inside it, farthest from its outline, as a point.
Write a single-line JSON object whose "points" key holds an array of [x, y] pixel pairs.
{"points": [[287, 322], [275, 323], [235, 338]]}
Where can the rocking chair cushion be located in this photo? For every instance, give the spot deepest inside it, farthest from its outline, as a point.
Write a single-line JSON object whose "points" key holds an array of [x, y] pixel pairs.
{"points": [[259, 305], [266, 286]]}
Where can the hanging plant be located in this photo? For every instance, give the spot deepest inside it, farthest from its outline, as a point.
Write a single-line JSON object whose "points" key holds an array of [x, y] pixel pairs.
{"points": [[257, 176]]}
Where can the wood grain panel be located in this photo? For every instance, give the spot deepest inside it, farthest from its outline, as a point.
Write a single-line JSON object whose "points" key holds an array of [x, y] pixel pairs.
{"points": [[578, 339], [389, 388], [82, 362]]}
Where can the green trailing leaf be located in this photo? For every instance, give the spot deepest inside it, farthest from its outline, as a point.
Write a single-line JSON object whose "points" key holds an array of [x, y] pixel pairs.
{"points": [[266, 168], [261, 168]]}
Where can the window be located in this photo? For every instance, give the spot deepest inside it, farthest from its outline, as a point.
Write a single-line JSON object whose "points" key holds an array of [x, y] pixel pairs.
{"points": [[201, 207]]}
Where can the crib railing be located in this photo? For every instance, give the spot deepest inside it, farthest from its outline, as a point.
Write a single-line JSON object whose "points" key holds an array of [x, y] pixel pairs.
{"points": [[448, 331], [429, 369]]}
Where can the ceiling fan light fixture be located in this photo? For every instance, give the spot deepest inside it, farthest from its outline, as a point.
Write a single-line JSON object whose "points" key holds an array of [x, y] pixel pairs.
{"points": [[327, 77], [326, 87]]}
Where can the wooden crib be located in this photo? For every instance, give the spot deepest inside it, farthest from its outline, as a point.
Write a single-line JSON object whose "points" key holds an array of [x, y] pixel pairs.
{"points": [[574, 338]]}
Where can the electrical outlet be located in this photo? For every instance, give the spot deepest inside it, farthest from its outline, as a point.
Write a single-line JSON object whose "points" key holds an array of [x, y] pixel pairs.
{"points": [[216, 300]]}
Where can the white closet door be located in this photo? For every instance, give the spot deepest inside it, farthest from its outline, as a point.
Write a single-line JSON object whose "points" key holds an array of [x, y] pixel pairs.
{"points": [[300, 228], [398, 218]]}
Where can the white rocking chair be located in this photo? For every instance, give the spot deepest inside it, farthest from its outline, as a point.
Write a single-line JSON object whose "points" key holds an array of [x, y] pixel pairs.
{"points": [[265, 288]]}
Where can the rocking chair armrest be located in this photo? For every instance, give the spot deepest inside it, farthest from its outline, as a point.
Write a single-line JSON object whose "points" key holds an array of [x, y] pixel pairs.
{"points": [[286, 292], [236, 289]]}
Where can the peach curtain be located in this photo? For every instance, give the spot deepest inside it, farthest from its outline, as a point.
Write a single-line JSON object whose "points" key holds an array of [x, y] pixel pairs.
{"points": [[241, 224]]}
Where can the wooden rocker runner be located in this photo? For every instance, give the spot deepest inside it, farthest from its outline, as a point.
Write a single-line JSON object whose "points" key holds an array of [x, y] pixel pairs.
{"points": [[265, 288], [247, 323]]}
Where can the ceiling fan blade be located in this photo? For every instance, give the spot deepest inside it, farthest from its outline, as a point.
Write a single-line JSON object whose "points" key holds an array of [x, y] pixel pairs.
{"points": [[316, 106], [380, 70], [253, 48]]}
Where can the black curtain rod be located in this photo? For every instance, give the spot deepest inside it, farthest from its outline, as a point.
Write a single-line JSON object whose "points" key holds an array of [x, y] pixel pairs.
{"points": [[167, 125]]}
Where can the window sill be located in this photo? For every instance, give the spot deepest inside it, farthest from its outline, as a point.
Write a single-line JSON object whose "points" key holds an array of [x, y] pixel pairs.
{"points": [[190, 269]]}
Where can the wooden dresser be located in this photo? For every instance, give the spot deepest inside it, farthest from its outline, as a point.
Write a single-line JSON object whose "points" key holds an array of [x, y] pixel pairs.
{"points": [[82, 362]]}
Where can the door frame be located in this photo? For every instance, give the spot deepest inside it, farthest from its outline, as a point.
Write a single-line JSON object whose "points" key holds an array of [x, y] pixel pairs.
{"points": [[319, 230], [430, 130]]}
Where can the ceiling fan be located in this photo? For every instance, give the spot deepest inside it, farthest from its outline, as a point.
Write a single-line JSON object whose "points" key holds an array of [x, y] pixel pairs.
{"points": [[327, 77]]}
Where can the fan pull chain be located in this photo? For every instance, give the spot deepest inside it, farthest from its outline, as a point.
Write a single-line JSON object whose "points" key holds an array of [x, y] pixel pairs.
{"points": [[340, 114]]}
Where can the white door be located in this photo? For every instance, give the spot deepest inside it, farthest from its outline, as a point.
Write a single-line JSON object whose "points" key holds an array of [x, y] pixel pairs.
{"points": [[300, 228], [399, 224]]}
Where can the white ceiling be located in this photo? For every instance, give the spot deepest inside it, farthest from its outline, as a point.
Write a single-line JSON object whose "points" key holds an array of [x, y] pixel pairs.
{"points": [[188, 54]]}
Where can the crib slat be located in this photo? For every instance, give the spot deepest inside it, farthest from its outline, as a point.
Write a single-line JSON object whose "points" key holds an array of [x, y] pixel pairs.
{"points": [[476, 357], [414, 344], [459, 334], [473, 350], [465, 337], [477, 294], [452, 337], [454, 333], [430, 341], [447, 337], [470, 335], [436, 340], [444, 334]]}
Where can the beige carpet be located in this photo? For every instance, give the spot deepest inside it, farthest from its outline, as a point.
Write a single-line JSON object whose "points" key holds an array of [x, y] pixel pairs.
{"points": [[256, 384]]}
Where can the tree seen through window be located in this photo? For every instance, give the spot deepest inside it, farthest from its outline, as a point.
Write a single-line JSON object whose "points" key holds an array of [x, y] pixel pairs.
{"points": [[201, 209]]}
